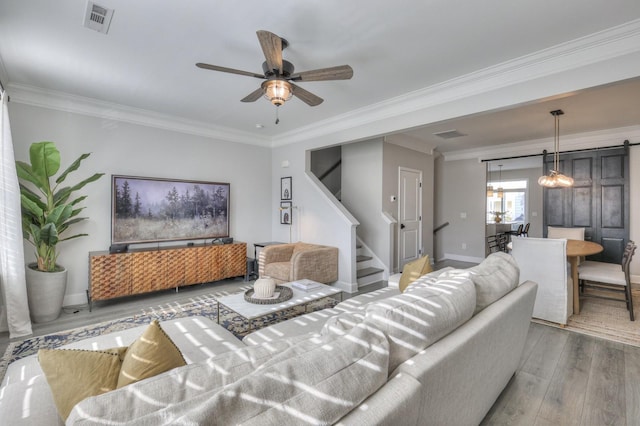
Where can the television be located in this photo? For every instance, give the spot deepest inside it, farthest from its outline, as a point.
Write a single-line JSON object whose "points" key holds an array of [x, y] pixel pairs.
{"points": [[149, 210]]}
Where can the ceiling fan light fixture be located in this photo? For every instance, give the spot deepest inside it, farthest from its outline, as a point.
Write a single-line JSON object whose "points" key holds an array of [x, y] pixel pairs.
{"points": [[277, 91]]}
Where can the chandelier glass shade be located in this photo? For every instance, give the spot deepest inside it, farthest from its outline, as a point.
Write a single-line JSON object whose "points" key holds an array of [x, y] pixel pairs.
{"points": [[277, 91], [555, 179], [490, 186]]}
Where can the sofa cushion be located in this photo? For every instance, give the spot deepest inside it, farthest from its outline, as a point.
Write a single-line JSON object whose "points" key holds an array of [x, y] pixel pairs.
{"points": [[414, 270], [343, 323], [75, 374], [151, 354], [496, 276], [412, 321], [427, 279]]}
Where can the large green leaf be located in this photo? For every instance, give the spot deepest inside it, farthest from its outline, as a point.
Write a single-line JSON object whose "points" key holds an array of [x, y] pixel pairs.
{"points": [[25, 172], [31, 207], [62, 195], [59, 215], [45, 159], [49, 235], [73, 167]]}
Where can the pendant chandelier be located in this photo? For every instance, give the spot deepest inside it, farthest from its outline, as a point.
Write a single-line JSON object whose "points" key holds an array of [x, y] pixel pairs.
{"points": [[555, 179], [490, 186], [500, 189]]}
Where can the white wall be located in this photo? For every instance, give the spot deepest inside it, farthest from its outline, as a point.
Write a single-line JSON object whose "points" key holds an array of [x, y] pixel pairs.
{"points": [[128, 149], [317, 217]]}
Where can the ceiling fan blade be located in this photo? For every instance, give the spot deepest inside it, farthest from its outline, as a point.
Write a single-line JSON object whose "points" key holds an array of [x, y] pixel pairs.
{"points": [[272, 48], [229, 70], [306, 96], [341, 72], [253, 96]]}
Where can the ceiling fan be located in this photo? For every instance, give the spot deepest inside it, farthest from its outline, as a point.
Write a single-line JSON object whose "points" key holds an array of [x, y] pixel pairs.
{"points": [[279, 74]]}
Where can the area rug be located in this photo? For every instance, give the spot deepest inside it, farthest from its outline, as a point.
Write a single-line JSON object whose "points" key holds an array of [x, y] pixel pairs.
{"points": [[204, 305], [607, 319]]}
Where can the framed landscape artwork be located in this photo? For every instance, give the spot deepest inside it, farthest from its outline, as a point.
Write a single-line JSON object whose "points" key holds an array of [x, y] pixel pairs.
{"points": [[145, 210], [285, 188]]}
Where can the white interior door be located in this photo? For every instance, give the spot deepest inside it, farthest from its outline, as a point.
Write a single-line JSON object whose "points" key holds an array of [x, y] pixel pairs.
{"points": [[409, 216]]}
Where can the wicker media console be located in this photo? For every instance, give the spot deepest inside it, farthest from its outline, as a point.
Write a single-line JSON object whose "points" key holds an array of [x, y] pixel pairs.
{"points": [[140, 271]]}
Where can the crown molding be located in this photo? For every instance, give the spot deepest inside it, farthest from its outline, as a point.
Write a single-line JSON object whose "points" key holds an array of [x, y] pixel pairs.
{"points": [[598, 47], [35, 96], [588, 140], [381, 118]]}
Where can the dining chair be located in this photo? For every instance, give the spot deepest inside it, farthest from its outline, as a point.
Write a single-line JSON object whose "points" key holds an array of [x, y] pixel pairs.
{"points": [[497, 242], [525, 231], [568, 233], [609, 277], [544, 261], [517, 232]]}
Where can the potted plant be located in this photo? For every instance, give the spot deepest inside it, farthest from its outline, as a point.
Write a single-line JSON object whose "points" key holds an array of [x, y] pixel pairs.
{"points": [[48, 210]]}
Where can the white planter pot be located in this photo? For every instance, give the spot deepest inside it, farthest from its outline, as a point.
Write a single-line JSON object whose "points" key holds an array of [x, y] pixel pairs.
{"points": [[45, 293]]}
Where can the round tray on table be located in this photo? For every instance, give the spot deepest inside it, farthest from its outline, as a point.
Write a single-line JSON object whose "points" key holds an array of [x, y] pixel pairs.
{"points": [[285, 294]]}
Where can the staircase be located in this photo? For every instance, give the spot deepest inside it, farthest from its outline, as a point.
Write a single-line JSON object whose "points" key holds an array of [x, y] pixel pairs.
{"points": [[369, 270]]}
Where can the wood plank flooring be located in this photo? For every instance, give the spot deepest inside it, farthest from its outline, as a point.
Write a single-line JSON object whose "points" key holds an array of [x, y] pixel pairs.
{"points": [[567, 378]]}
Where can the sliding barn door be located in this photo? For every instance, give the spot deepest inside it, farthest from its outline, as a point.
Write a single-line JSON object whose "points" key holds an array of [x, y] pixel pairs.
{"points": [[598, 201]]}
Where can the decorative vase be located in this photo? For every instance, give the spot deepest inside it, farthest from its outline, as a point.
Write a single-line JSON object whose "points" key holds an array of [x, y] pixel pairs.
{"points": [[497, 219], [45, 293], [264, 288]]}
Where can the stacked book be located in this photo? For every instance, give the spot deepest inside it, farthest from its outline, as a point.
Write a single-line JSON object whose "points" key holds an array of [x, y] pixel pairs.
{"points": [[306, 285]]}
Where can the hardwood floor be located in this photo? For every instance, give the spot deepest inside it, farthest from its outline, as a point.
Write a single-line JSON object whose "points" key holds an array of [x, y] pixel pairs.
{"points": [[564, 378], [567, 378]]}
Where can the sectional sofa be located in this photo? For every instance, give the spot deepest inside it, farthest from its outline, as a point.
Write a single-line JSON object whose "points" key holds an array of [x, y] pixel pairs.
{"points": [[439, 353]]}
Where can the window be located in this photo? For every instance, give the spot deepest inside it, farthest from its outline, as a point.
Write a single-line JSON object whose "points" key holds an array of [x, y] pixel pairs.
{"points": [[513, 203]]}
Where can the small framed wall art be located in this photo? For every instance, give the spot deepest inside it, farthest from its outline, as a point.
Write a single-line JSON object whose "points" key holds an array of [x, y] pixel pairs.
{"points": [[285, 188], [285, 213]]}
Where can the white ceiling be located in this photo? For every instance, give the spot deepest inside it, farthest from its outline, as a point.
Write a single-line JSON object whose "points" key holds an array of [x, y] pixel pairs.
{"points": [[147, 60]]}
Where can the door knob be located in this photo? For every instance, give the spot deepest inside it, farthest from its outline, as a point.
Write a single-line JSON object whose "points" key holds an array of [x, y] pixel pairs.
{"points": [[402, 226]]}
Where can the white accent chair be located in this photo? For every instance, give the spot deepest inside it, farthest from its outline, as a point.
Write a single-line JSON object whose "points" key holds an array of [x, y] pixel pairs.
{"points": [[611, 277], [544, 261], [568, 233]]}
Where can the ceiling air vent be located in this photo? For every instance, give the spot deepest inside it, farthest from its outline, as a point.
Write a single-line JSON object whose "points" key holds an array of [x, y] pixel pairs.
{"points": [[97, 17], [449, 134]]}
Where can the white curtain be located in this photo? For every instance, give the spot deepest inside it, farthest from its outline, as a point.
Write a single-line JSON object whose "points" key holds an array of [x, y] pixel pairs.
{"points": [[14, 309]]}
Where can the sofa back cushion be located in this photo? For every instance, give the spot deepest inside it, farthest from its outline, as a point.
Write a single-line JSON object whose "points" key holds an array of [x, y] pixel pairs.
{"points": [[496, 276], [414, 320]]}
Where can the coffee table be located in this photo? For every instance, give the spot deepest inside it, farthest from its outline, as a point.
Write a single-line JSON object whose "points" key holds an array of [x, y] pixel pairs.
{"points": [[242, 317]]}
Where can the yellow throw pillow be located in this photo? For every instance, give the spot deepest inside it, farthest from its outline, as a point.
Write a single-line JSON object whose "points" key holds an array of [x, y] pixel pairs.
{"points": [[75, 374], [153, 353], [414, 270]]}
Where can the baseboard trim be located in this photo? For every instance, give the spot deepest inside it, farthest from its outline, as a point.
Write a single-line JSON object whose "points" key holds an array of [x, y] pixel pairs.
{"points": [[460, 258], [75, 299], [346, 287]]}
